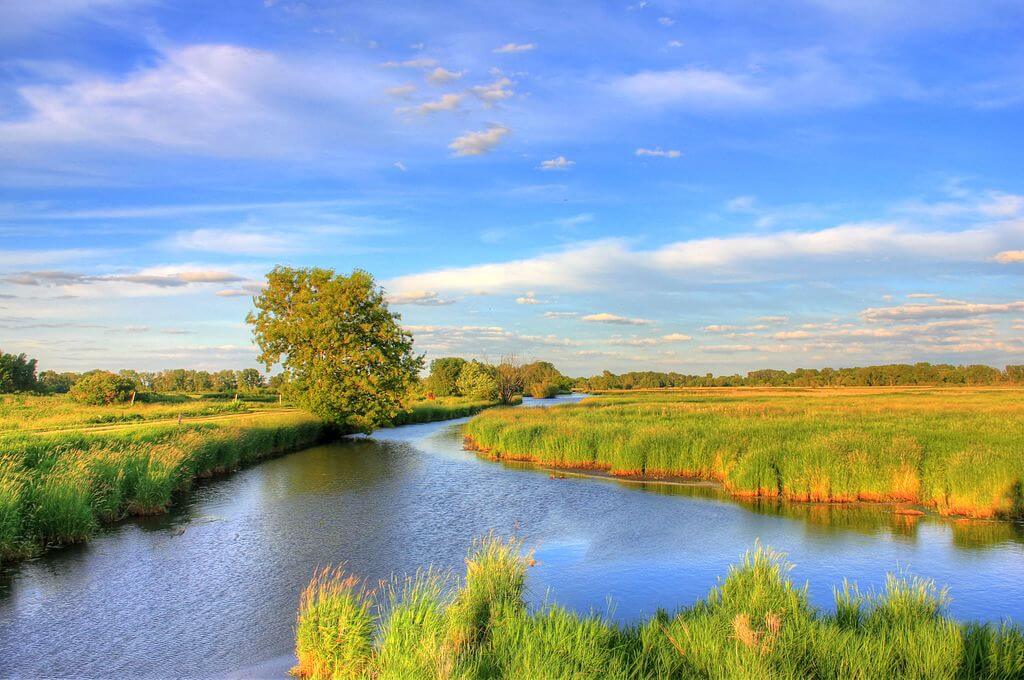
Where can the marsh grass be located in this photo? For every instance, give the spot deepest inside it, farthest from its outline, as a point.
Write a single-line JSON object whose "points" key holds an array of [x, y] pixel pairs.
{"points": [[58, 487], [755, 624], [960, 451]]}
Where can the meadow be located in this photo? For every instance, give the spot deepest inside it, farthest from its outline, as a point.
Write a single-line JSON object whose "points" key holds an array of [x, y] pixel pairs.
{"points": [[65, 471], [959, 451], [756, 623]]}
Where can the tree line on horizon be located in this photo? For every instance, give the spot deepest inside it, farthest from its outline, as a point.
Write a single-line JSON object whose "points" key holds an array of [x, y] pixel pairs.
{"points": [[455, 376], [882, 375]]}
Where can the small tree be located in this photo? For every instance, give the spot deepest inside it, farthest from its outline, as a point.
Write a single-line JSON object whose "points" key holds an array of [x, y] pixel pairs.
{"points": [[250, 380], [343, 354], [476, 381], [509, 376], [102, 387], [444, 376], [17, 373]]}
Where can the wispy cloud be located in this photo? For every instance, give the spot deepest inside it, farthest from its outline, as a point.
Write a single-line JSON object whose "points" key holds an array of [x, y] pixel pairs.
{"points": [[512, 48], [424, 298], [659, 152], [442, 76], [607, 317]]}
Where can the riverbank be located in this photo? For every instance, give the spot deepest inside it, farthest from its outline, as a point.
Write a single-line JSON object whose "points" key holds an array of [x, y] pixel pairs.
{"points": [[755, 623], [58, 488], [959, 451]]}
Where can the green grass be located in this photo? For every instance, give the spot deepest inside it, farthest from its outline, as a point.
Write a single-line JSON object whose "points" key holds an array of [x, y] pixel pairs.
{"points": [[26, 412], [61, 485], [755, 624], [59, 488], [960, 451]]}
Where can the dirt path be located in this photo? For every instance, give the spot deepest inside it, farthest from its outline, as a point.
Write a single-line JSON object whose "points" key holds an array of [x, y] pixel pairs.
{"points": [[113, 427]]}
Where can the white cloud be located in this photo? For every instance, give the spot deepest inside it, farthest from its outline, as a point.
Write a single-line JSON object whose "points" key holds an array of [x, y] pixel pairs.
{"points": [[529, 299], [203, 99], [1010, 256], [493, 92], [441, 76], [606, 317], [478, 143], [719, 328], [945, 309], [411, 63], [669, 339], [447, 102], [666, 21], [510, 48], [557, 163], [675, 44], [852, 249], [659, 152], [401, 91], [233, 241], [400, 165], [424, 298], [561, 315]]}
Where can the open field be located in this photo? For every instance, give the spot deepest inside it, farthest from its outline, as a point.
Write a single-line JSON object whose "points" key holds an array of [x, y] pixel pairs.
{"points": [[755, 624], [59, 485], [958, 450], [24, 412]]}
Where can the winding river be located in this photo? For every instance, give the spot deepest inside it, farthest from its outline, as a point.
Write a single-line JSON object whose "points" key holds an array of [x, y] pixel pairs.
{"points": [[211, 588]]}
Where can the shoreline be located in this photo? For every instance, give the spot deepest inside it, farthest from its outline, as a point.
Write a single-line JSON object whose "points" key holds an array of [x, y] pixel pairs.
{"points": [[908, 507]]}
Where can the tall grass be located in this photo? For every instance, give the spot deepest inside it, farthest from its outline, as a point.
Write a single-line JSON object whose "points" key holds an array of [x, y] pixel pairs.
{"points": [[755, 624], [960, 451], [57, 489]]}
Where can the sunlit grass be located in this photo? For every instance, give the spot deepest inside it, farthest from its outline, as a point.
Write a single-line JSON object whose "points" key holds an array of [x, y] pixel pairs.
{"points": [[960, 451], [755, 624]]}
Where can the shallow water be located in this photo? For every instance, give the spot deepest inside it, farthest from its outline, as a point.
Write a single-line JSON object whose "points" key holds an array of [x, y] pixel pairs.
{"points": [[211, 588]]}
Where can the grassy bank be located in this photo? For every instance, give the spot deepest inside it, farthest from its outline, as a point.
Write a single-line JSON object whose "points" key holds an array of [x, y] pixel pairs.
{"points": [[442, 408], [59, 488], [755, 624], [960, 451]]}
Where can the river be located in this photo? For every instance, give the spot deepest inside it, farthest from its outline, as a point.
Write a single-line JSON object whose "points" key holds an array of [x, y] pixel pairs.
{"points": [[211, 588]]}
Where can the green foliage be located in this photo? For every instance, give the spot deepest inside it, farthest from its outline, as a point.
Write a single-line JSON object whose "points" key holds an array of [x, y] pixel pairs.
{"points": [[17, 373], [57, 383], [345, 357], [955, 449], [102, 387], [444, 376], [543, 390], [755, 624], [477, 381]]}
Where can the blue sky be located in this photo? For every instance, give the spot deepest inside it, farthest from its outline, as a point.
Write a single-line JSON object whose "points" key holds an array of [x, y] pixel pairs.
{"points": [[690, 186]]}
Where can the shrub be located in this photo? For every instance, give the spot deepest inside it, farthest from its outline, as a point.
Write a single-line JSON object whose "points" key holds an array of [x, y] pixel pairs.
{"points": [[102, 387], [544, 390]]}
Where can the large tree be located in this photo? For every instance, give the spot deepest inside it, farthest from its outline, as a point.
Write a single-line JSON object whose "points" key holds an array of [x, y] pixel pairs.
{"points": [[343, 354], [444, 376]]}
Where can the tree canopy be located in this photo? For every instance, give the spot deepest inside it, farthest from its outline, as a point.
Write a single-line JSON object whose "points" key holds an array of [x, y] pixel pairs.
{"points": [[17, 373], [343, 354]]}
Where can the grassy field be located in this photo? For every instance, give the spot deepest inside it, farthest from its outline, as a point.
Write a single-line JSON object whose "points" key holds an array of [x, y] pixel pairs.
{"points": [[23, 412], [755, 624], [67, 469], [958, 450]]}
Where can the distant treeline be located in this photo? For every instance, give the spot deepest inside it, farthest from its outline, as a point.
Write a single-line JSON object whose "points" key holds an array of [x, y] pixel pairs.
{"points": [[886, 375], [18, 374]]}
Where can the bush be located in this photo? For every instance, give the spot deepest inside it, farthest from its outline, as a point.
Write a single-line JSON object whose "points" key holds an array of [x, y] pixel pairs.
{"points": [[544, 390], [102, 387]]}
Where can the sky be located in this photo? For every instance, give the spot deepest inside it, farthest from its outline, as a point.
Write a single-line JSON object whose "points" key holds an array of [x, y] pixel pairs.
{"points": [[695, 186]]}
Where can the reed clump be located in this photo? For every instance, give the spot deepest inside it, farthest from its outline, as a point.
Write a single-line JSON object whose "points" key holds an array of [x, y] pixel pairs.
{"points": [[959, 451], [755, 624]]}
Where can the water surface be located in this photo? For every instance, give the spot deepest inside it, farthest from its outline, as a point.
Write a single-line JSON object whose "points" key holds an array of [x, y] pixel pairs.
{"points": [[211, 588]]}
